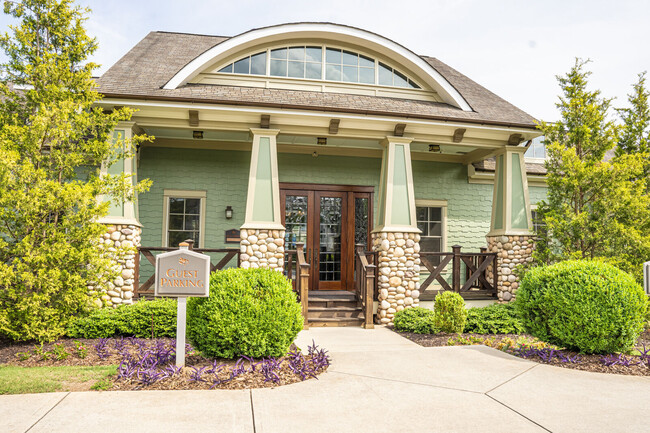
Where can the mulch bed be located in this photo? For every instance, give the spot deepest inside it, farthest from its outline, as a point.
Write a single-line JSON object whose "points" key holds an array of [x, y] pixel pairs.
{"points": [[199, 372], [633, 365]]}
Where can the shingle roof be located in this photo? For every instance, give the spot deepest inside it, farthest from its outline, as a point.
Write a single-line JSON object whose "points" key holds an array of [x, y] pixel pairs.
{"points": [[490, 165], [147, 67]]}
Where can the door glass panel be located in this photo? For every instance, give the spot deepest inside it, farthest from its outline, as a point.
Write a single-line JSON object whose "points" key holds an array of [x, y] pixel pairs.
{"points": [[330, 239], [295, 221], [361, 221]]}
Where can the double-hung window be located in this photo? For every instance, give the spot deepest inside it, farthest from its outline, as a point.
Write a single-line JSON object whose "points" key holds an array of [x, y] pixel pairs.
{"points": [[184, 213], [431, 217]]}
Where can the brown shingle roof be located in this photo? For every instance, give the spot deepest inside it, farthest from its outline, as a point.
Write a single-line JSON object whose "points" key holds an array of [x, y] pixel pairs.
{"points": [[147, 67]]}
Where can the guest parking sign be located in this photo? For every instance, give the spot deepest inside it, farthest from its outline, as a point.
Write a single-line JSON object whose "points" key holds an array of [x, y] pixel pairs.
{"points": [[180, 274]]}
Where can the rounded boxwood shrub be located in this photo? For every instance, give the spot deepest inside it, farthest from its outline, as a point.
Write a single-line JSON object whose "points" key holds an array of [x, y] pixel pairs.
{"points": [[583, 305], [494, 319], [449, 313], [251, 312], [143, 319], [417, 319]]}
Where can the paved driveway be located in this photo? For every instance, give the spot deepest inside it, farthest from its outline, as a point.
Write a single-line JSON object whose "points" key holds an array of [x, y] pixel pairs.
{"points": [[378, 382]]}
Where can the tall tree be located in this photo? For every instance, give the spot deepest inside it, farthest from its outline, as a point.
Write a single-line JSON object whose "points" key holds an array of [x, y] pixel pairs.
{"points": [[636, 124], [53, 138], [596, 207]]}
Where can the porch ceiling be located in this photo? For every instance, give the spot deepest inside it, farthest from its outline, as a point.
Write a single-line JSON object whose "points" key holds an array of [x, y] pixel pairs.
{"points": [[228, 127]]}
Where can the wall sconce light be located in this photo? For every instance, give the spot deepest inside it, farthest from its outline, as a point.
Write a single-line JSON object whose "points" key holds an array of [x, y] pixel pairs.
{"points": [[434, 148], [197, 134], [228, 212]]}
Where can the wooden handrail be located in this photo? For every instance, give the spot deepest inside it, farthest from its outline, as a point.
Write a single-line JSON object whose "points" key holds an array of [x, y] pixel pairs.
{"points": [[302, 282], [365, 284]]}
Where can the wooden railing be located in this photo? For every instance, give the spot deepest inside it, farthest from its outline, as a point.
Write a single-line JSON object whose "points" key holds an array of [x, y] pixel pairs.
{"points": [[477, 265], [296, 269], [146, 289], [365, 283]]}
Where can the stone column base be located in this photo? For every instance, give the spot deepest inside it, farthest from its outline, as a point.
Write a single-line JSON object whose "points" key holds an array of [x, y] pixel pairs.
{"points": [[399, 272], [119, 245], [262, 248], [511, 252]]}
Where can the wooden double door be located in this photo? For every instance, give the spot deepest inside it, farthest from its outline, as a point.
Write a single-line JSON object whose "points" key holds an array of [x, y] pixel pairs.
{"points": [[330, 220]]}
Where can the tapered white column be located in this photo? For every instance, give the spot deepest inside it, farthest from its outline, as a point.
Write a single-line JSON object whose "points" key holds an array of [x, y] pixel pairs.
{"points": [[262, 235], [510, 233], [396, 237]]}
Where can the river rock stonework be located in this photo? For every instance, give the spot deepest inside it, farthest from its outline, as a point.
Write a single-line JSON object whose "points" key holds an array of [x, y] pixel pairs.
{"points": [[262, 249], [119, 244], [511, 252], [399, 272]]}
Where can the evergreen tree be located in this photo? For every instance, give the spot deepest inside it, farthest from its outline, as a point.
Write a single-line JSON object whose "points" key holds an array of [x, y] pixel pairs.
{"points": [[595, 208], [53, 138], [636, 124]]}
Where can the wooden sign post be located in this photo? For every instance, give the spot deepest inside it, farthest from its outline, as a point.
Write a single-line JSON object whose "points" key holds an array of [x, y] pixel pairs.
{"points": [[180, 274]]}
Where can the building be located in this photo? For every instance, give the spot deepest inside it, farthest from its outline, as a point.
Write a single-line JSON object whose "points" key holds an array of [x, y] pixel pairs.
{"points": [[330, 136]]}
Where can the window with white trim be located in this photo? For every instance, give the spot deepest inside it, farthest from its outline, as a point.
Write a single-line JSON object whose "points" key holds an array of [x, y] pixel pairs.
{"points": [[320, 63], [431, 222], [539, 226], [184, 217]]}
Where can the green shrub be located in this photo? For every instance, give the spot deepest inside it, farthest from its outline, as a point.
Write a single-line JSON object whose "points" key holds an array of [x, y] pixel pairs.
{"points": [[585, 305], [252, 312], [417, 319], [449, 313], [494, 319], [138, 319]]}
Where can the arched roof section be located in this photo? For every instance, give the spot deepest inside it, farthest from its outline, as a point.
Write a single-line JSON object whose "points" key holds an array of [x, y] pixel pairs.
{"points": [[424, 72]]}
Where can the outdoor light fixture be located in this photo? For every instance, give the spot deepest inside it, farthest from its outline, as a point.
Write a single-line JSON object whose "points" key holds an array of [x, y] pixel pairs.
{"points": [[228, 212], [321, 141], [197, 134], [434, 148]]}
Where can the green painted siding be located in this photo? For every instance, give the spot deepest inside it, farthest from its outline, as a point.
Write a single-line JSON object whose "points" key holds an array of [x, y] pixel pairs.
{"points": [[336, 170], [537, 194], [224, 177], [469, 206]]}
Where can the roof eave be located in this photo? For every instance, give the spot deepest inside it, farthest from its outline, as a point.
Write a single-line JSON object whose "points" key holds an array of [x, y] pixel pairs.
{"points": [[530, 126]]}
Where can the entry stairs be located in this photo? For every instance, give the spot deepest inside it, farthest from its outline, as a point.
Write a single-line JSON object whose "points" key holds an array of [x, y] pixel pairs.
{"points": [[334, 308]]}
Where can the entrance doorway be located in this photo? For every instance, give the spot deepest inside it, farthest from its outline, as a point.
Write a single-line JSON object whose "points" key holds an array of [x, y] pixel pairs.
{"points": [[330, 220]]}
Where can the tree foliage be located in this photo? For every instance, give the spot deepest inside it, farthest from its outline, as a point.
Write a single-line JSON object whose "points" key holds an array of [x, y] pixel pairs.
{"points": [[53, 139], [597, 206], [635, 138]]}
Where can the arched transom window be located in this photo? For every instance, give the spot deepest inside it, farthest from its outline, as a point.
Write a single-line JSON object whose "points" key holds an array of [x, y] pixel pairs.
{"points": [[319, 63]]}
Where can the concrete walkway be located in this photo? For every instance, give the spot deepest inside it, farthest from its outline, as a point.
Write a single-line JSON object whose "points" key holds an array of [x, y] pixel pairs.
{"points": [[378, 382]]}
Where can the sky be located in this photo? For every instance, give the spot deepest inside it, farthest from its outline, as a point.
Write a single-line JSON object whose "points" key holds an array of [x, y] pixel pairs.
{"points": [[513, 48]]}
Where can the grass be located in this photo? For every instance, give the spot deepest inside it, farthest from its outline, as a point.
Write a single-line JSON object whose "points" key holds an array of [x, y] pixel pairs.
{"points": [[23, 380]]}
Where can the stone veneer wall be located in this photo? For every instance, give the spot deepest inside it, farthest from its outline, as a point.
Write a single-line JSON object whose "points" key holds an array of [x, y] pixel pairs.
{"points": [[511, 252], [262, 249], [399, 272], [119, 243]]}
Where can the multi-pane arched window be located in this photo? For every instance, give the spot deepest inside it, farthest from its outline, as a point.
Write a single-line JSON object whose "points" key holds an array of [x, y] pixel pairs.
{"points": [[320, 63]]}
